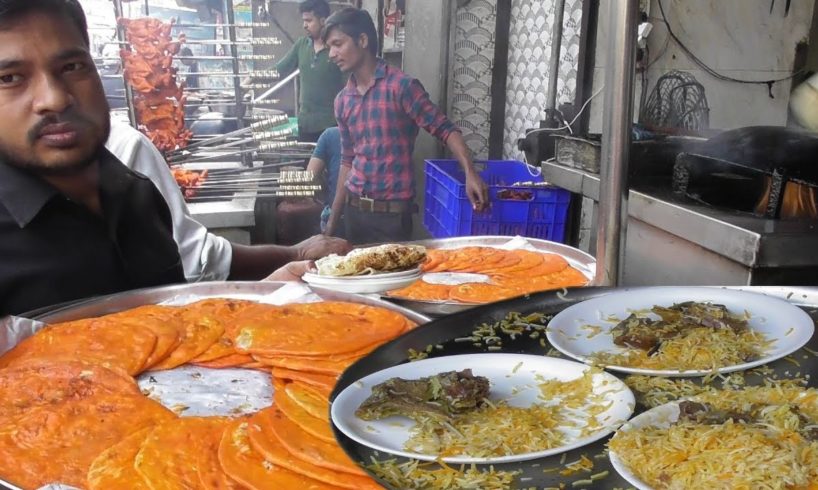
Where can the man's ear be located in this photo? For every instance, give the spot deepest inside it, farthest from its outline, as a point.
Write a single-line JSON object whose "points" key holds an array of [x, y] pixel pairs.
{"points": [[363, 41]]}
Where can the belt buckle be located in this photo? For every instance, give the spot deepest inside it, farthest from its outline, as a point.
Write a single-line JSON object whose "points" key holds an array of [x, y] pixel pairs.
{"points": [[370, 203]]}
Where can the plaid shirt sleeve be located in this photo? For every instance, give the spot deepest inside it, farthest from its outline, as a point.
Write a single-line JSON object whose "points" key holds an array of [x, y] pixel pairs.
{"points": [[416, 104], [347, 150]]}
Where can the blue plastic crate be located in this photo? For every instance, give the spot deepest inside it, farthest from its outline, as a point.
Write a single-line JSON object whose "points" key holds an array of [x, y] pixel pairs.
{"points": [[448, 211]]}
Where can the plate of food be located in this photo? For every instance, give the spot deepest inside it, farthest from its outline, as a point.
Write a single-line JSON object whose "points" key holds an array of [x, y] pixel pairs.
{"points": [[482, 408], [758, 437], [369, 270], [680, 331]]}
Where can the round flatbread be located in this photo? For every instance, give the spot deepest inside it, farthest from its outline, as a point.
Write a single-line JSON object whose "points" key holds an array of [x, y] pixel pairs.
{"points": [[307, 398], [92, 340], [114, 467], [248, 467], [59, 443], [201, 330], [172, 454], [49, 383], [275, 453], [338, 328], [318, 427], [274, 424], [163, 321]]}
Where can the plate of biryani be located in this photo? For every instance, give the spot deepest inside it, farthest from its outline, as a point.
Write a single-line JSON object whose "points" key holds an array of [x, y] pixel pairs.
{"points": [[369, 270], [482, 408], [680, 331], [757, 437]]}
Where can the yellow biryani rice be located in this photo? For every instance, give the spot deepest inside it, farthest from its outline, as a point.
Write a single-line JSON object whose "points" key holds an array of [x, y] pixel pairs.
{"points": [[696, 349], [769, 453], [414, 474], [497, 429]]}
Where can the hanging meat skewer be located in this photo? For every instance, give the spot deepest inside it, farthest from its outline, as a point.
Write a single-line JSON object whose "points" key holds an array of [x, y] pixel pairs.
{"points": [[158, 99]]}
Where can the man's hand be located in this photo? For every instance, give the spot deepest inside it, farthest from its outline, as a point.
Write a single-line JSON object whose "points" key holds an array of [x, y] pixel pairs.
{"points": [[292, 271], [477, 191], [319, 246]]}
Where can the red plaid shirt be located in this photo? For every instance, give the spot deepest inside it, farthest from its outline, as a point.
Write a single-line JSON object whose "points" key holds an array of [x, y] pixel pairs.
{"points": [[378, 132]]}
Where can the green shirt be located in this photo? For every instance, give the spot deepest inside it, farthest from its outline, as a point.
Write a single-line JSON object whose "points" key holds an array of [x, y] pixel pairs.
{"points": [[321, 80]]}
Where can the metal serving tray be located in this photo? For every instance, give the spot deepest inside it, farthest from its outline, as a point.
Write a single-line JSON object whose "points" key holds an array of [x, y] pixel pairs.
{"points": [[247, 289], [578, 259], [131, 299], [443, 331]]}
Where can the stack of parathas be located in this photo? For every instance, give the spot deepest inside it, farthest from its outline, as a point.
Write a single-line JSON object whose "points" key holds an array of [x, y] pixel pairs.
{"points": [[71, 412], [510, 273]]}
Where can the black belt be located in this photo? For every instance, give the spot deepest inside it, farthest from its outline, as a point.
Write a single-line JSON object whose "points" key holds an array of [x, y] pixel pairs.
{"points": [[368, 205]]}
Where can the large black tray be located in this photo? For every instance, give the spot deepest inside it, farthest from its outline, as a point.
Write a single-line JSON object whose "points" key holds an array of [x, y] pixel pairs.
{"points": [[444, 330]]}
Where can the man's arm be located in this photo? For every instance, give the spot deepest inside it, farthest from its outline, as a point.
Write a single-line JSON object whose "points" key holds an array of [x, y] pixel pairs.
{"points": [[416, 103], [289, 62], [347, 155], [253, 262], [338, 203], [205, 256], [476, 188]]}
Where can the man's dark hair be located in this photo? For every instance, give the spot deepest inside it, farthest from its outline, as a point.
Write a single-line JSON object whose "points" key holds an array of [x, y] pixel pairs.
{"points": [[319, 8], [353, 22], [11, 10], [186, 52]]}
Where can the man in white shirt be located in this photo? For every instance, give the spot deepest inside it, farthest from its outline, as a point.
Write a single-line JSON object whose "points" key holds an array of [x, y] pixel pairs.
{"points": [[205, 256]]}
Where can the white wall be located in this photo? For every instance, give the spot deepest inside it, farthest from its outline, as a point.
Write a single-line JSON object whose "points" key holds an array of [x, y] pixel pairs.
{"points": [[738, 38]]}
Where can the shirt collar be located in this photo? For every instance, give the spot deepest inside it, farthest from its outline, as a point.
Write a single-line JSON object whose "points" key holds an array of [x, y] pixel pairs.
{"points": [[24, 194], [380, 72]]}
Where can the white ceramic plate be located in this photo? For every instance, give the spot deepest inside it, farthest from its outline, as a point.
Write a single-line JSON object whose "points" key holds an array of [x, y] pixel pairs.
{"points": [[375, 283], [662, 416], [377, 275], [514, 377], [789, 326]]}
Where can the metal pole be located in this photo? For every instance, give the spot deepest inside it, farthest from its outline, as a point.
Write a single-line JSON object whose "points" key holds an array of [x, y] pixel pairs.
{"points": [[616, 140], [277, 86], [234, 53], [120, 36], [554, 62]]}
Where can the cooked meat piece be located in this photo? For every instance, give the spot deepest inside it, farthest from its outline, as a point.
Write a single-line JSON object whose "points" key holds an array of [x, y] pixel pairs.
{"points": [[705, 414], [439, 397], [810, 433], [383, 258], [641, 333], [694, 314]]}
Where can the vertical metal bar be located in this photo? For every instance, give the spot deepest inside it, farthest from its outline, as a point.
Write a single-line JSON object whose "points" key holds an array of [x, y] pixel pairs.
{"points": [[554, 62], [120, 36], [499, 75], [616, 139], [234, 53]]}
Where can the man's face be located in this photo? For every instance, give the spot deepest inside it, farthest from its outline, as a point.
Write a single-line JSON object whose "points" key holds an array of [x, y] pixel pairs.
{"points": [[54, 113], [345, 51], [312, 24]]}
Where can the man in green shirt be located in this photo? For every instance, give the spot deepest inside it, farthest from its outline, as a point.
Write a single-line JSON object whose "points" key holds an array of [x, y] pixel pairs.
{"points": [[321, 80]]}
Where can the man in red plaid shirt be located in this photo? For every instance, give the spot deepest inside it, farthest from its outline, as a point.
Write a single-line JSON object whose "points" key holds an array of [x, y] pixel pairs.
{"points": [[379, 113]]}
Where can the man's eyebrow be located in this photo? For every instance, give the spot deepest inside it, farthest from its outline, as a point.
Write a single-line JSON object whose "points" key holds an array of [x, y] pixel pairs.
{"points": [[11, 63], [69, 53]]}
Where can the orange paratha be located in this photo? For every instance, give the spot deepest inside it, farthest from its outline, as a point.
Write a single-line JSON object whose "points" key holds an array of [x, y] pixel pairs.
{"points": [[344, 328], [275, 453], [49, 383], [93, 340], [243, 464], [59, 443], [318, 427], [114, 467], [170, 454], [274, 424]]}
